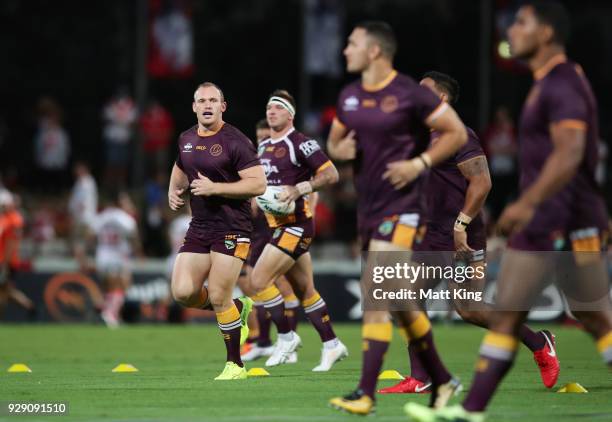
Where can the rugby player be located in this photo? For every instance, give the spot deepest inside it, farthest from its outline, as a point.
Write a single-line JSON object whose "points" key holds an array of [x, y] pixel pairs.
{"points": [[297, 163], [218, 166], [383, 123], [559, 205], [456, 191]]}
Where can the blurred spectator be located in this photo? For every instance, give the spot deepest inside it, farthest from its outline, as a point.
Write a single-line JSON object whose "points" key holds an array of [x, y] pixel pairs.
{"points": [[11, 228], [83, 206], [155, 223], [602, 164], [119, 115], [501, 146], [51, 147], [157, 129]]}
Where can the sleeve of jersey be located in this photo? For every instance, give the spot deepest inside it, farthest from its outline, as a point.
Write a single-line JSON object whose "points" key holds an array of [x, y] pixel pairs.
{"points": [[566, 105], [471, 149], [426, 104], [244, 154], [339, 119], [179, 162], [311, 153]]}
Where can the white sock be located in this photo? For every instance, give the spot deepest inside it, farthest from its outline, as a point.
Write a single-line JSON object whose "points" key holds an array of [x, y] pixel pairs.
{"points": [[286, 336], [330, 344]]}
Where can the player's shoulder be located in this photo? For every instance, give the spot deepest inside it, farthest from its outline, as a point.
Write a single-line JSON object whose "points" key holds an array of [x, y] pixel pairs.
{"points": [[231, 133], [306, 144], [566, 73], [351, 88], [297, 137]]}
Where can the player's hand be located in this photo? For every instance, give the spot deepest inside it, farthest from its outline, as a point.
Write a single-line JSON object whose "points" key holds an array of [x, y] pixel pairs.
{"points": [[203, 186], [289, 194], [400, 173], [461, 244], [346, 148], [174, 199], [515, 217]]}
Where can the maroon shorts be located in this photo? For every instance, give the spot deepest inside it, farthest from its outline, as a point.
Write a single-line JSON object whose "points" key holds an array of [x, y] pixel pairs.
{"points": [[230, 243], [399, 229], [257, 246], [294, 239], [438, 240]]}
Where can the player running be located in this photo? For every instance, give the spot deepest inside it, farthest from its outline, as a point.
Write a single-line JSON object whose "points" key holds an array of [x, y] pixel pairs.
{"points": [[383, 123], [260, 344], [297, 163], [559, 203], [456, 191], [219, 166]]}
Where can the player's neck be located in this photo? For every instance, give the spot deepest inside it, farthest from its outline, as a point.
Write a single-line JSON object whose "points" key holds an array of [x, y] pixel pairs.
{"points": [[376, 73], [544, 58], [278, 134], [210, 130]]}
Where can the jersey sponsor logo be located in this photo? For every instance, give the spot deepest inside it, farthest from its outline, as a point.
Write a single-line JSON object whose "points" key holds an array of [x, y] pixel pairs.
{"points": [[268, 167], [309, 147], [200, 147], [187, 147], [351, 103], [385, 228], [216, 150], [368, 103], [389, 104], [280, 152]]}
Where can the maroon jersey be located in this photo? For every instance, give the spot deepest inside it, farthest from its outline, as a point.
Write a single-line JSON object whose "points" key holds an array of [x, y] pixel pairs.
{"points": [[445, 190], [561, 94], [289, 160], [218, 156], [389, 122]]}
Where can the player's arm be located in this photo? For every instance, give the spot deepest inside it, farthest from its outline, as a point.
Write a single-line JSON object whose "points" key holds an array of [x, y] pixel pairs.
{"points": [[476, 172], [326, 174], [569, 141], [340, 144], [252, 183], [453, 136], [177, 186]]}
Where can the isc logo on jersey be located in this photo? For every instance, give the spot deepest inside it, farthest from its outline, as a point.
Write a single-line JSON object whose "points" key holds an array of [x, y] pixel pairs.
{"points": [[309, 147], [351, 104]]}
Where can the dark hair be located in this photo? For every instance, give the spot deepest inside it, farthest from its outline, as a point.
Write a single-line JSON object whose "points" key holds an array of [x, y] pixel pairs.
{"points": [[284, 94], [262, 124], [553, 13], [207, 84], [446, 83], [383, 34]]}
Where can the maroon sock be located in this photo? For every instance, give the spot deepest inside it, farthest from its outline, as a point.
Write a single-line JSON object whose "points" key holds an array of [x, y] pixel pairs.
{"points": [[534, 341], [316, 311], [425, 349], [497, 353], [417, 370], [276, 309], [373, 354], [238, 304], [229, 324], [265, 322], [292, 317]]}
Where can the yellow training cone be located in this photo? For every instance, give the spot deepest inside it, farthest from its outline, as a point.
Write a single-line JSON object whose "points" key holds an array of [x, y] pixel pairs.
{"points": [[390, 374], [125, 367], [572, 387], [258, 372], [19, 367]]}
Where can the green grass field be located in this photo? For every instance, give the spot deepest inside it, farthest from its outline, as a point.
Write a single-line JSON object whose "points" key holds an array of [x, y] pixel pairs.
{"points": [[177, 364]]}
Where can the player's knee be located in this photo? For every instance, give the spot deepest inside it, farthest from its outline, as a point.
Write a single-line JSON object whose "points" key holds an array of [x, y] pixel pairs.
{"points": [[596, 323], [183, 295], [219, 297], [259, 281]]}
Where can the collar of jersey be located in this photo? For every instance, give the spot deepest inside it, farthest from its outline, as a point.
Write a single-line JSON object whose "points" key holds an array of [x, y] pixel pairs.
{"points": [[277, 140], [211, 133], [382, 84], [549, 65]]}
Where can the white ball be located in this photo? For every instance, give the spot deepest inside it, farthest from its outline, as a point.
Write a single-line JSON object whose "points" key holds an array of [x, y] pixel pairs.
{"points": [[268, 202]]}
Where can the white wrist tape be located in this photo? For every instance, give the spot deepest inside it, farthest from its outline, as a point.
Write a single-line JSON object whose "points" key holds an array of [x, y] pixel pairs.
{"points": [[462, 222], [304, 188]]}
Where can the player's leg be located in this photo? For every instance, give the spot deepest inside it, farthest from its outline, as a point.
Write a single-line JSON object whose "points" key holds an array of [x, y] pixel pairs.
{"points": [[292, 303], [520, 280], [263, 345], [253, 327], [190, 271], [301, 278], [223, 275], [541, 343], [587, 292], [273, 263]]}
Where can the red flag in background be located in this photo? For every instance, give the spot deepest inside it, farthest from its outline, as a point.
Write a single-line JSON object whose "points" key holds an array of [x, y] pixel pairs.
{"points": [[170, 39]]}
